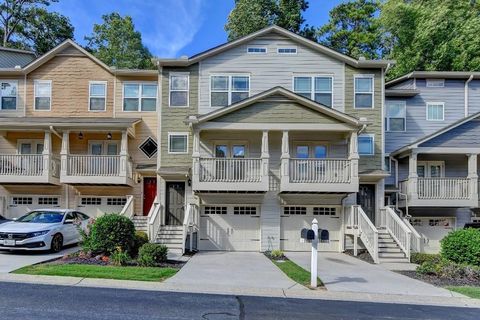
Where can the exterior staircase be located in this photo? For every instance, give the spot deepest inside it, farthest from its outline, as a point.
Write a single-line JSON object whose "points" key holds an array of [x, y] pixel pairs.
{"points": [[140, 223], [388, 249], [172, 237]]}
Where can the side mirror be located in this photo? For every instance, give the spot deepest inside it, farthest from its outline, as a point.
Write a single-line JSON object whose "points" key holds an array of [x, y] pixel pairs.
{"points": [[69, 221]]}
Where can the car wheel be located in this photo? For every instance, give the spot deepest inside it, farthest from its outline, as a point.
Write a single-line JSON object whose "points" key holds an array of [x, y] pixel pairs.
{"points": [[57, 243]]}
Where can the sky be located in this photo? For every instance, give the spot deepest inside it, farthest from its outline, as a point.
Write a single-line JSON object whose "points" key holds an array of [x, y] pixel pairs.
{"points": [[171, 28]]}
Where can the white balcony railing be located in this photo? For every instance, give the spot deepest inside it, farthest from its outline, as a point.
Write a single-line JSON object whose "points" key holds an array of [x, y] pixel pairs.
{"points": [[21, 165], [320, 171], [89, 165], [230, 170], [443, 188]]}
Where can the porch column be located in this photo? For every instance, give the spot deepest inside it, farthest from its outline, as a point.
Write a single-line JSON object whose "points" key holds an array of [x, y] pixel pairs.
{"points": [[47, 153], [125, 165], [412, 189], [353, 156], [64, 153], [473, 177], [285, 159], [265, 159], [196, 158]]}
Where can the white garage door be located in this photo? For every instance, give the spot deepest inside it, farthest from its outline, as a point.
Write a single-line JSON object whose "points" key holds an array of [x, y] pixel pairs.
{"points": [[295, 218], [433, 229], [95, 206], [18, 205], [230, 228]]}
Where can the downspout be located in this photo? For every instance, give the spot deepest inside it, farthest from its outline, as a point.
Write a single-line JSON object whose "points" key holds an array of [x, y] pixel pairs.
{"points": [[25, 95], [466, 94], [55, 132]]}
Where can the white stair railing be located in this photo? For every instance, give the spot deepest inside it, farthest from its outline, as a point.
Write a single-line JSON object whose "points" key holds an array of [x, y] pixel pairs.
{"points": [[154, 220], [367, 231], [397, 229], [190, 224], [128, 209], [416, 241]]}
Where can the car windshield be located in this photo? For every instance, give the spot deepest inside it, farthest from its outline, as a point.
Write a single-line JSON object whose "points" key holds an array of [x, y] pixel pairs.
{"points": [[42, 217]]}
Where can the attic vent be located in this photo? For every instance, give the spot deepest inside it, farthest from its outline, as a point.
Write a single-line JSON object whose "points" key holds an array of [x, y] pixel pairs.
{"points": [[285, 50], [256, 50]]}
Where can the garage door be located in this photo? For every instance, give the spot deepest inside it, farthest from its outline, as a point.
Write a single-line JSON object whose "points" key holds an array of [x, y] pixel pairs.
{"points": [[295, 218], [231, 228], [95, 206], [18, 205], [433, 229]]}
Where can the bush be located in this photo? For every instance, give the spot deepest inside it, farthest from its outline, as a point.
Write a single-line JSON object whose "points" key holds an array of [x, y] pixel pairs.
{"points": [[140, 239], [152, 254], [419, 258], [449, 270], [110, 233], [276, 254], [427, 268], [462, 246], [120, 258]]}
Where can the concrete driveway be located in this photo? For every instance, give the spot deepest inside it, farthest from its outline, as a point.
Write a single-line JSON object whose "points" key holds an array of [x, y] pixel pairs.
{"points": [[239, 270], [340, 272], [10, 261]]}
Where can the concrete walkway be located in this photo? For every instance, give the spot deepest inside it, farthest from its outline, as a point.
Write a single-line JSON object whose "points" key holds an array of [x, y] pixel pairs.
{"points": [[233, 270], [344, 273]]}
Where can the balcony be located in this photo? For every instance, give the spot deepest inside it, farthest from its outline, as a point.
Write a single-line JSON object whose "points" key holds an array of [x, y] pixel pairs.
{"points": [[319, 175], [97, 169], [230, 174], [29, 168]]}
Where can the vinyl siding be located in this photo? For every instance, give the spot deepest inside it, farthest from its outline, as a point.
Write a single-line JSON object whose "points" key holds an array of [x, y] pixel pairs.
{"points": [[464, 136], [474, 97], [455, 165]]}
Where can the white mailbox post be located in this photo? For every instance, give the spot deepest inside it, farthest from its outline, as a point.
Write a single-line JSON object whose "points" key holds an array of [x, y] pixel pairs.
{"points": [[313, 262]]}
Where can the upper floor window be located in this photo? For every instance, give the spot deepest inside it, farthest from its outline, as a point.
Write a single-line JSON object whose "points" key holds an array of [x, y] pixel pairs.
{"points": [[435, 111], [363, 92], [97, 96], [366, 144], [228, 89], [287, 50], [318, 89], [103, 147], [435, 83], [178, 142], [43, 94], [396, 115], [9, 95], [256, 50], [179, 84], [310, 150], [139, 97]]}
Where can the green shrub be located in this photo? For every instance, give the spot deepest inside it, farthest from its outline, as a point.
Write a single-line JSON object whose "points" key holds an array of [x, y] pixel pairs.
{"points": [[449, 270], [108, 233], [419, 258], [427, 267], [276, 254], [151, 254], [140, 239], [120, 258], [462, 246]]}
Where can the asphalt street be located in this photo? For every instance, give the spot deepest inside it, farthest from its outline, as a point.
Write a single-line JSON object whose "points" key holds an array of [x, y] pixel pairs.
{"points": [[27, 301]]}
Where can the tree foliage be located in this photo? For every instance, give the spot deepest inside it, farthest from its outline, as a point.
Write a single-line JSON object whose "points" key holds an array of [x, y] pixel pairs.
{"points": [[249, 16], [117, 43]]}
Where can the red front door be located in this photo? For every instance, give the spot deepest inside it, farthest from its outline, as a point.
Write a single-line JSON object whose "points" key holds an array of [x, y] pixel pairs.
{"points": [[149, 193]]}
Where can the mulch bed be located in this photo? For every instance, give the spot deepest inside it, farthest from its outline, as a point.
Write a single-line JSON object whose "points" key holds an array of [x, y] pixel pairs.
{"points": [[440, 282], [362, 255]]}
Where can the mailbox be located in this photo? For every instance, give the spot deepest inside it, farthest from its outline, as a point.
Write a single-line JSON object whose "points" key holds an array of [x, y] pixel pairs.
{"points": [[307, 234], [324, 235]]}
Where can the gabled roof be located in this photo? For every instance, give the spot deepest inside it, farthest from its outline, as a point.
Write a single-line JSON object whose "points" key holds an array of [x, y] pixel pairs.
{"points": [[435, 134], [362, 63], [274, 92], [434, 75]]}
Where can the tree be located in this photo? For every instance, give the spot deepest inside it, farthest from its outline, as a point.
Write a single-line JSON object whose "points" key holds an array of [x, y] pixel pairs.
{"points": [[354, 29], [249, 16], [116, 43], [26, 24]]}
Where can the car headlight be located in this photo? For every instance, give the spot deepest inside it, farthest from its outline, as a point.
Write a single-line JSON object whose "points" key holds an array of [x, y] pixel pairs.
{"points": [[38, 233]]}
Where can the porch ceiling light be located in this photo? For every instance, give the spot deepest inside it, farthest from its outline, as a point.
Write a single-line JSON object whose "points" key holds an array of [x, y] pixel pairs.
{"points": [[109, 136], [80, 136]]}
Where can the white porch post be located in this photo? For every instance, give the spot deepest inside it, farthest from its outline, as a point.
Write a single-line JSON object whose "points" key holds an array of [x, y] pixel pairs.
{"points": [[64, 153], [412, 189], [285, 161], [47, 153], [354, 157], [196, 158], [265, 158], [124, 161], [473, 178]]}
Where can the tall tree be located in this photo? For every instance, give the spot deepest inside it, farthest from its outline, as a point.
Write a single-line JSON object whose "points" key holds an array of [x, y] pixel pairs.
{"points": [[27, 24], [117, 43], [249, 16], [354, 29]]}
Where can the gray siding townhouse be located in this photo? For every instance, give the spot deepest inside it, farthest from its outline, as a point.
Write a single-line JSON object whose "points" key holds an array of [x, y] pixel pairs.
{"points": [[432, 145]]}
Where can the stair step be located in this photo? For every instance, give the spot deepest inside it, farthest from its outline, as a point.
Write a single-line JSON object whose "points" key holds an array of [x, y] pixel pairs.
{"points": [[391, 255], [393, 260], [171, 245], [171, 228], [390, 250], [387, 245]]}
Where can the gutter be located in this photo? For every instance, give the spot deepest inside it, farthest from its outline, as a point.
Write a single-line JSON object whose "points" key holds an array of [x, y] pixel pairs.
{"points": [[466, 94]]}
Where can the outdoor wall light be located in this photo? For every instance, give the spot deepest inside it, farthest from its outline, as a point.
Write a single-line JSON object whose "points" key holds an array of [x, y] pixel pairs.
{"points": [[109, 136], [80, 136]]}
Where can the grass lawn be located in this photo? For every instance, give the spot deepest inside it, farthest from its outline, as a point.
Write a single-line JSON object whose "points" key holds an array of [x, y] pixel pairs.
{"points": [[296, 273], [472, 292], [102, 272]]}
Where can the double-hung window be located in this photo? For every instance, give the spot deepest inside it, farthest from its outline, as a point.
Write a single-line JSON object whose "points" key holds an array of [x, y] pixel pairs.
{"points": [[363, 91], [43, 94], [396, 116], [228, 89], [139, 97], [318, 88], [178, 142], [9, 95], [97, 95], [435, 111], [179, 83], [366, 144]]}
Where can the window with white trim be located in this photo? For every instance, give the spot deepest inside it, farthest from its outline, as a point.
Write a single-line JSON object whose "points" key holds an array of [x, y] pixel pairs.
{"points": [[366, 144], [256, 50], [178, 143], [228, 89], [214, 210], [396, 116], [116, 201], [179, 86], [287, 50], [21, 200], [435, 111], [324, 211], [52, 201], [245, 210], [90, 201], [363, 92], [97, 96], [139, 97], [9, 95], [435, 83], [293, 210], [317, 88], [43, 94]]}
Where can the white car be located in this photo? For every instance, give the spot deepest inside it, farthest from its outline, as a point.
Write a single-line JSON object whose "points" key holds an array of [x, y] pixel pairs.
{"points": [[43, 229]]}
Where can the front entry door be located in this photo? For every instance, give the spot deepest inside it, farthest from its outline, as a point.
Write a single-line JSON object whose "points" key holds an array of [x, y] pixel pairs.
{"points": [[175, 203], [149, 194], [366, 199]]}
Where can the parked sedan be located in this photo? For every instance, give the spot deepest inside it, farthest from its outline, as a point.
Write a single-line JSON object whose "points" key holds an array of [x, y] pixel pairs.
{"points": [[43, 229], [3, 219]]}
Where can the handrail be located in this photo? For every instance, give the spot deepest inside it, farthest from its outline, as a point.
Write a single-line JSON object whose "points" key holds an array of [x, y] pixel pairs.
{"points": [[128, 208], [230, 170], [154, 220], [330, 170], [367, 231], [21, 164], [443, 188], [398, 230], [190, 224], [416, 238]]}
